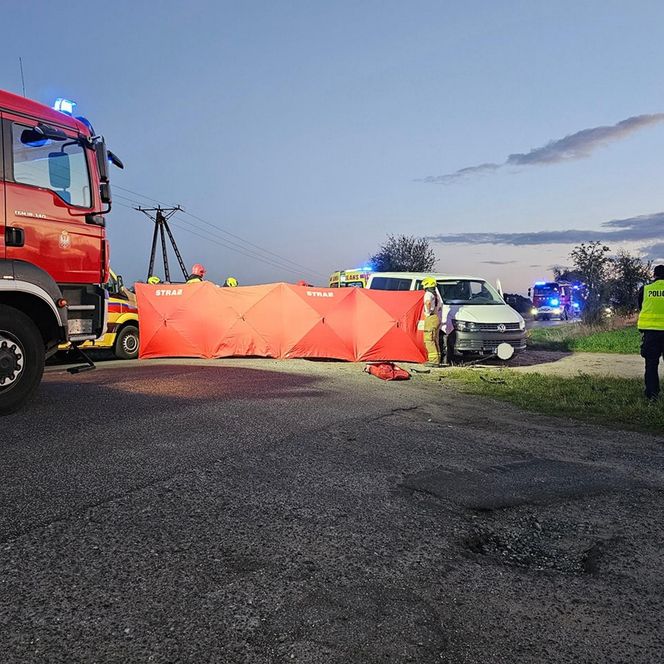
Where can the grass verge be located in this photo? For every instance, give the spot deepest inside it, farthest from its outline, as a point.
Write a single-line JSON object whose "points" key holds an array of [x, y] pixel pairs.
{"points": [[602, 400], [582, 338]]}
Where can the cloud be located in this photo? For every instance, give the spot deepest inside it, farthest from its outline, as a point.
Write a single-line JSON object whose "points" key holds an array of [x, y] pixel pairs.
{"points": [[464, 172], [655, 252], [497, 262], [633, 229], [579, 145]]}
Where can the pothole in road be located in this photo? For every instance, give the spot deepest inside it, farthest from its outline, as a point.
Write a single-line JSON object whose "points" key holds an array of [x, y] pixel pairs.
{"points": [[357, 623], [537, 546], [535, 481]]}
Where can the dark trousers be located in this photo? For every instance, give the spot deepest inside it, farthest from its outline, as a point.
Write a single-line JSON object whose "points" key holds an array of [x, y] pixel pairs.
{"points": [[652, 348]]}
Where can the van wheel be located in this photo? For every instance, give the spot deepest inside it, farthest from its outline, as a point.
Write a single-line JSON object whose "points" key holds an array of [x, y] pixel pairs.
{"points": [[126, 343], [22, 356]]}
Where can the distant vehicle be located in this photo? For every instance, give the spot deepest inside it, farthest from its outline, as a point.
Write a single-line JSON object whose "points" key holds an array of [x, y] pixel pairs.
{"points": [[522, 304], [350, 278], [555, 299], [121, 335], [476, 319], [122, 331]]}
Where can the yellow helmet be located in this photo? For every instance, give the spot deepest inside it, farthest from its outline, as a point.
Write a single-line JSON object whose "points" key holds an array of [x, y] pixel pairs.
{"points": [[154, 280], [428, 282], [231, 282]]}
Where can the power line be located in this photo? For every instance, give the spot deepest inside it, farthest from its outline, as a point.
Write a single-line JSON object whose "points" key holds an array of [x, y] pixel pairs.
{"points": [[225, 232], [214, 240], [210, 237]]}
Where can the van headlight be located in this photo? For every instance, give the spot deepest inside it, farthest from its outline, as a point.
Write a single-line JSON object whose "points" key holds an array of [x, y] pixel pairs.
{"points": [[522, 324], [465, 326]]}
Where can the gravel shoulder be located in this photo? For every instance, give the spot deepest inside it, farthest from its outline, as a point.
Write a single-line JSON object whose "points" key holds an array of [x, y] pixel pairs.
{"points": [[571, 364]]}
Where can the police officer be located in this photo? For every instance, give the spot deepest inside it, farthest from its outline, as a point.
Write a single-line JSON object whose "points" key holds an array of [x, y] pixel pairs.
{"points": [[651, 325], [197, 273]]}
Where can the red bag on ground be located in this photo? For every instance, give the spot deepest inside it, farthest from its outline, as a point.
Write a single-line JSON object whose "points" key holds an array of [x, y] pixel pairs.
{"points": [[387, 371]]}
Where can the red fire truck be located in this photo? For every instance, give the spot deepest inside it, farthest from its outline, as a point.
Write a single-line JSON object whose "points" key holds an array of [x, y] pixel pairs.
{"points": [[54, 256], [555, 299]]}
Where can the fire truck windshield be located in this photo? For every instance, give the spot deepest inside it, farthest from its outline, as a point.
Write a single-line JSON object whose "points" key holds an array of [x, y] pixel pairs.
{"points": [[60, 167], [545, 290]]}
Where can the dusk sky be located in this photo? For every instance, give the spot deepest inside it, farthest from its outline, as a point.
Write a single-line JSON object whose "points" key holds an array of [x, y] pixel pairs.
{"points": [[505, 131]]}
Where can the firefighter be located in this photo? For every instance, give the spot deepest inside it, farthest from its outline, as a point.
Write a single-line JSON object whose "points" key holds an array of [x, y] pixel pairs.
{"points": [[197, 273], [231, 282], [154, 280], [433, 306], [651, 326]]}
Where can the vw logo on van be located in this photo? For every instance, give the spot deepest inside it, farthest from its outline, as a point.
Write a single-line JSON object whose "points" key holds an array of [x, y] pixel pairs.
{"points": [[502, 327]]}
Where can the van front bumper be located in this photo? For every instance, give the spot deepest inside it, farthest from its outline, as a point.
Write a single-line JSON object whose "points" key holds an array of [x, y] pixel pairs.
{"points": [[486, 343]]}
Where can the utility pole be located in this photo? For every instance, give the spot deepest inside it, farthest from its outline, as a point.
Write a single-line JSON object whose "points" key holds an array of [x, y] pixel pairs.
{"points": [[160, 217]]}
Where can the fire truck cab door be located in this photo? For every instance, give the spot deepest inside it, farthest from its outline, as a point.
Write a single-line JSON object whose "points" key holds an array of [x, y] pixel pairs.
{"points": [[48, 191], [2, 192]]}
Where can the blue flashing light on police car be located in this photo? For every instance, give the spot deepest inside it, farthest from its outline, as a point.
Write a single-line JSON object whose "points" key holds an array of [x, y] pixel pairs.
{"points": [[554, 302], [65, 106]]}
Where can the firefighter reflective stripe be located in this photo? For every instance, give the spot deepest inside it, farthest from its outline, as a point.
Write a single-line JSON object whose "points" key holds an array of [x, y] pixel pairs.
{"points": [[652, 310]]}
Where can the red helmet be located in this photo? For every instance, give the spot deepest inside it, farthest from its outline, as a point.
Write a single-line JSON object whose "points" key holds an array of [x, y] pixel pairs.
{"points": [[198, 270]]}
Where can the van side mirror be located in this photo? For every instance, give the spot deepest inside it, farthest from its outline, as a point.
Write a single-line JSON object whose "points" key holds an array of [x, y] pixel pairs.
{"points": [[530, 290]]}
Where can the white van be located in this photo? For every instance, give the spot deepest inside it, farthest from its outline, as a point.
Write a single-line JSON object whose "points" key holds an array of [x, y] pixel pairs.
{"points": [[476, 319]]}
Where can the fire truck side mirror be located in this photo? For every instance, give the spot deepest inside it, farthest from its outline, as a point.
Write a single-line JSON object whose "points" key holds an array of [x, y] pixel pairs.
{"points": [[105, 193], [102, 160], [52, 133]]}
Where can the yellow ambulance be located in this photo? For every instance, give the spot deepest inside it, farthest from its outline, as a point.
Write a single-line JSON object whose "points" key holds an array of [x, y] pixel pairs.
{"points": [[350, 278], [122, 330]]}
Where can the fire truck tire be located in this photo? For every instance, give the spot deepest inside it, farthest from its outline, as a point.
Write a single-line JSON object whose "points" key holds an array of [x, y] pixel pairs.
{"points": [[126, 343], [22, 356]]}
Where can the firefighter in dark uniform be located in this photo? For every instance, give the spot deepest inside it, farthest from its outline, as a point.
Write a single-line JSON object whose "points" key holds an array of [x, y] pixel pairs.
{"points": [[651, 326]]}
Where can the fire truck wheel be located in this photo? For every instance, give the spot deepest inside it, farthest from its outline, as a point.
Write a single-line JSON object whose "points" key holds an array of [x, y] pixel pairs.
{"points": [[22, 357], [126, 343]]}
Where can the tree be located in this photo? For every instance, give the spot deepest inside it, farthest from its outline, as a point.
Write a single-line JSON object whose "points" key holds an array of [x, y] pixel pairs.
{"points": [[404, 253], [562, 273], [592, 262], [629, 273]]}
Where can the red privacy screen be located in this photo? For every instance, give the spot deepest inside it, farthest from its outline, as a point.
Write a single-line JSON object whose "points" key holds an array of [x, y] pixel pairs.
{"points": [[279, 320]]}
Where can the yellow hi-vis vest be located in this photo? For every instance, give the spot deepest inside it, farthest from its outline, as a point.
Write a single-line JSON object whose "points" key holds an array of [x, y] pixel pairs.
{"points": [[652, 310]]}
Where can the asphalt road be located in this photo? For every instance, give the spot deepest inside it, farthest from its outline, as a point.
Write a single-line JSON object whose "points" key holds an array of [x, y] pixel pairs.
{"points": [[263, 511], [554, 322]]}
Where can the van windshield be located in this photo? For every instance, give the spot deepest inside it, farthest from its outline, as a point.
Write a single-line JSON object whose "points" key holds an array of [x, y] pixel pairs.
{"points": [[468, 291]]}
